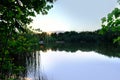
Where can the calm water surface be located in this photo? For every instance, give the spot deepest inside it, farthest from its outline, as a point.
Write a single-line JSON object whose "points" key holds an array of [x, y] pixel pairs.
{"points": [[78, 65]]}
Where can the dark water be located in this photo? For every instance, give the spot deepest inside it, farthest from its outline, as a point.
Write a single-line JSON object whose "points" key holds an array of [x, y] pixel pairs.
{"points": [[74, 62]]}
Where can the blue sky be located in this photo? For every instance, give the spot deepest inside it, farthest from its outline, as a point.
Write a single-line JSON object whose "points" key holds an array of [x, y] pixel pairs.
{"points": [[77, 15]]}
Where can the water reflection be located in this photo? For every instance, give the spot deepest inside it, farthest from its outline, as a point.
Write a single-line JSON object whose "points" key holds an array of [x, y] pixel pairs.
{"points": [[73, 62], [79, 66], [33, 67], [105, 49]]}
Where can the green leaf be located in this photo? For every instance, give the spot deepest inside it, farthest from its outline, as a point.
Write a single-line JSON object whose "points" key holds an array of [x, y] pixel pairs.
{"points": [[116, 40], [6, 52], [110, 17], [0, 59], [103, 19]]}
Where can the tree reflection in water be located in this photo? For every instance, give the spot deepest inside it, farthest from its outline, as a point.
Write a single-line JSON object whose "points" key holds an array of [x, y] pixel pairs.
{"points": [[33, 67], [32, 61], [109, 50]]}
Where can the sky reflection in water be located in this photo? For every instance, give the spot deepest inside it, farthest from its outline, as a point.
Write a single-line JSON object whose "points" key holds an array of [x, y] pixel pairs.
{"points": [[61, 65]]}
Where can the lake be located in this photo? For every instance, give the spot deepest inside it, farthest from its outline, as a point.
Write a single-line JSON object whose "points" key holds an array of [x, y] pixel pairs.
{"points": [[74, 63]]}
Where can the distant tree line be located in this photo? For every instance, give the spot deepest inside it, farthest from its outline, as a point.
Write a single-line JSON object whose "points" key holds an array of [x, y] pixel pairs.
{"points": [[79, 37]]}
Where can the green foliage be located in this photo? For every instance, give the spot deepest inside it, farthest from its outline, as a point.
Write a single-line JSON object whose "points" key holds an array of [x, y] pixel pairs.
{"points": [[111, 25], [19, 44], [15, 15], [116, 40], [22, 43], [112, 20]]}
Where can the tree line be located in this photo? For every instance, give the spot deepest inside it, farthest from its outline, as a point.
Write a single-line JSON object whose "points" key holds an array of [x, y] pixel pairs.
{"points": [[79, 37]]}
